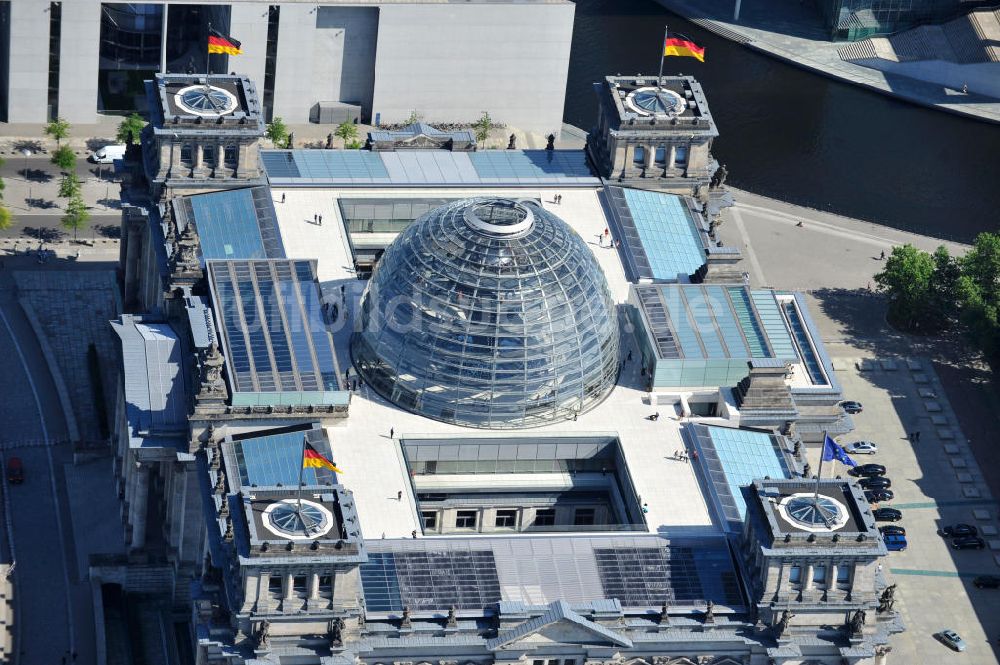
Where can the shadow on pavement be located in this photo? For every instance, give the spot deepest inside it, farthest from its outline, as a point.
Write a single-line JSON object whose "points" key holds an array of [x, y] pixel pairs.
{"points": [[46, 234], [36, 175]]}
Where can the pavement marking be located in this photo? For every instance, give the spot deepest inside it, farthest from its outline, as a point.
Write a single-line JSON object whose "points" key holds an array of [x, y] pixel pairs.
{"points": [[52, 478], [738, 218], [823, 227], [943, 504]]}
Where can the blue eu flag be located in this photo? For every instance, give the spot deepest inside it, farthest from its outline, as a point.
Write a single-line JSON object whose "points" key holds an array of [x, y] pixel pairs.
{"points": [[833, 451]]}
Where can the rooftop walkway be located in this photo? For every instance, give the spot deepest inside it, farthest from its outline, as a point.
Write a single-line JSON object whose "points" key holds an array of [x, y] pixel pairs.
{"points": [[794, 33]]}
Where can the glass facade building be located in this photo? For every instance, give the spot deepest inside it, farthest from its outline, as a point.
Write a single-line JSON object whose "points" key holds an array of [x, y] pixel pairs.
{"points": [[489, 313], [857, 19]]}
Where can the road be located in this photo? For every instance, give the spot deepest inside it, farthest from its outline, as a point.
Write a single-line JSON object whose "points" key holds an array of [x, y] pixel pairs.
{"points": [[52, 614]]}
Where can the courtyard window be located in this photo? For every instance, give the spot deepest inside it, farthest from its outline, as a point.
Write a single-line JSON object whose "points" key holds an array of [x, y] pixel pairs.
{"points": [[506, 519], [466, 519]]}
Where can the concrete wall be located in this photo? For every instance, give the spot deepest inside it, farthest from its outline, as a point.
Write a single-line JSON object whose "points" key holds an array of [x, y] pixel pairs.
{"points": [[344, 55], [293, 84], [29, 61], [248, 23], [80, 44], [450, 62]]}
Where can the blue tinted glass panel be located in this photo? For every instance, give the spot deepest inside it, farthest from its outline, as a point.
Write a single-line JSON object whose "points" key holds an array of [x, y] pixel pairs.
{"points": [[667, 232]]}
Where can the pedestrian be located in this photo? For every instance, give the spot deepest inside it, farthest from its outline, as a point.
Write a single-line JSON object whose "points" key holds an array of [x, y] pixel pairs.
{"points": [[399, 495], [315, 218], [694, 455], [965, 88], [606, 231], [282, 197], [800, 224], [869, 286], [916, 436], [645, 508], [618, 243], [413, 534], [392, 433], [629, 357], [321, 220], [656, 416], [575, 414]]}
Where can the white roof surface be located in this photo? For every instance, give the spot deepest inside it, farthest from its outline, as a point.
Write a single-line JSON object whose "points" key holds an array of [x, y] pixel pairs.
{"points": [[371, 461]]}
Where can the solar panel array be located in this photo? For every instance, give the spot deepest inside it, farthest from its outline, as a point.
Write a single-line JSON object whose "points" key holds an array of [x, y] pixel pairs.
{"points": [[667, 233], [650, 576], [234, 224], [736, 457], [274, 336], [276, 459], [429, 167], [430, 580]]}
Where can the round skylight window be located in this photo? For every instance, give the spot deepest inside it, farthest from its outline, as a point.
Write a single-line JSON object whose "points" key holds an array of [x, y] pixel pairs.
{"points": [[820, 513], [653, 101], [501, 217], [284, 519], [206, 101]]}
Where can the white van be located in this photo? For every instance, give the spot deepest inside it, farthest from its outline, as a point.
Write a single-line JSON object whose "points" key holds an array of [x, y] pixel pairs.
{"points": [[108, 154]]}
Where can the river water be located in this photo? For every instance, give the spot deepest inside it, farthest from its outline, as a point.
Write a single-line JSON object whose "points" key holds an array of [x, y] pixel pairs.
{"points": [[801, 137]]}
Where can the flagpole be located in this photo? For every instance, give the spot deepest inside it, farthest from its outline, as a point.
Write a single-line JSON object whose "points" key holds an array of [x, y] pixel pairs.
{"points": [[819, 472], [663, 46], [208, 70], [302, 467]]}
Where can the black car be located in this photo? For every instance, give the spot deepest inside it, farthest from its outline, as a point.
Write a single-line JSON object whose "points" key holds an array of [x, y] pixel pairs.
{"points": [[866, 470], [877, 496], [887, 515], [875, 483], [892, 530], [968, 543], [957, 530], [987, 582], [851, 407]]}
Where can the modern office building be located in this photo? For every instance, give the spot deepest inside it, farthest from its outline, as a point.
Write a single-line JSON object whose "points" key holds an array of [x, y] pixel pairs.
{"points": [[553, 433], [377, 61], [857, 19]]}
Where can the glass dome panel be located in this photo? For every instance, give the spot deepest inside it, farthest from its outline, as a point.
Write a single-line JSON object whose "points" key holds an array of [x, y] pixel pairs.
{"points": [[653, 101], [206, 101], [489, 313]]}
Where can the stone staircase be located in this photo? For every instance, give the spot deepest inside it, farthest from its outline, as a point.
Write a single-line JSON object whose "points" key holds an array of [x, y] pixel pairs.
{"points": [[968, 39]]}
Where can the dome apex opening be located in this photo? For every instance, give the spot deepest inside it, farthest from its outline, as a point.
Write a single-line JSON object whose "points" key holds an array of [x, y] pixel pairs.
{"points": [[499, 217]]}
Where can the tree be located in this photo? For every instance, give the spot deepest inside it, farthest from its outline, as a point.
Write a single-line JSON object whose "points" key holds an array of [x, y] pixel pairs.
{"points": [[57, 129], [483, 126], [943, 303], [76, 215], [6, 218], [64, 158], [906, 280], [978, 294], [69, 186], [130, 128], [348, 132], [412, 119], [277, 132]]}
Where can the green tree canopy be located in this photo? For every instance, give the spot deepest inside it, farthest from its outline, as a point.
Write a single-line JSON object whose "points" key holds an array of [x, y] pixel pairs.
{"points": [[57, 129], [64, 158], [6, 218], [978, 295], [129, 129], [348, 132], [483, 127], [906, 280], [412, 119], [277, 132], [76, 215], [69, 186]]}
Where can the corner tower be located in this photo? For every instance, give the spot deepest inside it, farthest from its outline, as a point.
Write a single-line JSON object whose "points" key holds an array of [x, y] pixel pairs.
{"points": [[203, 134], [654, 135]]}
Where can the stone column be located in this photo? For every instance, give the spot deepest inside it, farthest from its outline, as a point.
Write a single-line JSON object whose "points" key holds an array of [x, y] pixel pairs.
{"points": [[263, 597], [650, 158], [313, 602], [807, 582], [287, 604], [138, 507], [196, 156], [670, 156]]}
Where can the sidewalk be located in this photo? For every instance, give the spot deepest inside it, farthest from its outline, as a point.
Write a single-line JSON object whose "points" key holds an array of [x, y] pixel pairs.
{"points": [[793, 32]]}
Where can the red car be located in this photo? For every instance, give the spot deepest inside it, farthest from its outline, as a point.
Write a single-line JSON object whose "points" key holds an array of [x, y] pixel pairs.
{"points": [[15, 471]]}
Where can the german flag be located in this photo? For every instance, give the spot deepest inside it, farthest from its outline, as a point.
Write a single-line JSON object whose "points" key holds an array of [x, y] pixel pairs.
{"points": [[684, 47], [220, 43], [311, 459]]}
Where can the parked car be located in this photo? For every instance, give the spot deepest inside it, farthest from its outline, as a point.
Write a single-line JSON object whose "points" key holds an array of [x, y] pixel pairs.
{"points": [[862, 448], [878, 496], [968, 543], [895, 542], [851, 407], [108, 154], [987, 582], [15, 471], [892, 530], [875, 483], [866, 470], [955, 530], [887, 515], [952, 639]]}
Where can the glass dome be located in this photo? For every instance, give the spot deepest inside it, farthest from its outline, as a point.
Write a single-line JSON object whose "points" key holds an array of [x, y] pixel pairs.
{"points": [[489, 313], [653, 101], [206, 100]]}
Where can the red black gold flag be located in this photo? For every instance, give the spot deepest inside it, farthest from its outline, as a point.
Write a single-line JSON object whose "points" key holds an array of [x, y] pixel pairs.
{"points": [[680, 46], [311, 458], [220, 43]]}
